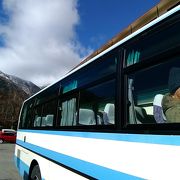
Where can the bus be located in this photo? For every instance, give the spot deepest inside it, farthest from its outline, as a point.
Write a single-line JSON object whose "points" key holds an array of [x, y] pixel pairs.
{"points": [[105, 119]]}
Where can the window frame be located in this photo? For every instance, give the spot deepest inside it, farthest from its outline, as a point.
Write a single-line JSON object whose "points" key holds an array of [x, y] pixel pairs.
{"points": [[149, 61], [62, 96], [121, 75]]}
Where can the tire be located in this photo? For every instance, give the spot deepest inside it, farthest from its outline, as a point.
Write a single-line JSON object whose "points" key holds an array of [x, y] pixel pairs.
{"points": [[35, 173], [1, 141]]}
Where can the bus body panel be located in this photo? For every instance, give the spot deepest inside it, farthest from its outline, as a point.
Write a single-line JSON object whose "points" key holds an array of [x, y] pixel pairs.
{"points": [[49, 170], [103, 155]]}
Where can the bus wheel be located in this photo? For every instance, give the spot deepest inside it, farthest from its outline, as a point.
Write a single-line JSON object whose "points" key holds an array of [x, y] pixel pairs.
{"points": [[35, 173], [1, 141]]}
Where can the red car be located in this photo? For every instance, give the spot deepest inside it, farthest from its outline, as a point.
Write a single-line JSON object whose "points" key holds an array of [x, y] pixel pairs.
{"points": [[7, 135]]}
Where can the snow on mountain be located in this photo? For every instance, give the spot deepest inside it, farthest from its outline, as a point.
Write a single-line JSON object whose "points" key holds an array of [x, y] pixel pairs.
{"points": [[4, 75], [28, 87], [13, 92]]}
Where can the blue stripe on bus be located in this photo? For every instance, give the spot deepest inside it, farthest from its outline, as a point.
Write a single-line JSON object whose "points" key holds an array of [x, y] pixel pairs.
{"points": [[141, 138], [22, 167], [84, 167]]}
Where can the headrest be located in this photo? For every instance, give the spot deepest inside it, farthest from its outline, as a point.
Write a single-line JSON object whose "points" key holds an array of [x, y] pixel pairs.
{"points": [[157, 100]]}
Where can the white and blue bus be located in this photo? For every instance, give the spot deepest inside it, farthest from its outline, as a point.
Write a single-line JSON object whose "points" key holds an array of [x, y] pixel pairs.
{"points": [[104, 119]]}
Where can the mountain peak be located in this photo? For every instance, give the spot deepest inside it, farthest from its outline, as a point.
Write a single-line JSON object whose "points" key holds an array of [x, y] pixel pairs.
{"points": [[27, 86], [13, 91]]}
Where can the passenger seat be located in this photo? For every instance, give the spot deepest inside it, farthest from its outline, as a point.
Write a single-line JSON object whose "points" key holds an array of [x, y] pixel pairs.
{"points": [[86, 117], [110, 111], [158, 110]]}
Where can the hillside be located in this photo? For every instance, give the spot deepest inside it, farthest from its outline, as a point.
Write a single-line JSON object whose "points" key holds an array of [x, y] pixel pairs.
{"points": [[13, 91]]}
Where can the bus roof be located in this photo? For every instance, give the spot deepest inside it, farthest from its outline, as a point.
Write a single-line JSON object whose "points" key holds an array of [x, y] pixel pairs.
{"points": [[138, 26]]}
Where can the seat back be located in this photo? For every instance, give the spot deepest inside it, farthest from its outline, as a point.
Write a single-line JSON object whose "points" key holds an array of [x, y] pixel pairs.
{"points": [[157, 109], [86, 117], [37, 121], [110, 111], [49, 119], [43, 122]]}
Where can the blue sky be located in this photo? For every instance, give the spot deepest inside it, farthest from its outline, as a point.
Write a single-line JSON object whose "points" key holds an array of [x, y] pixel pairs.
{"points": [[100, 20], [41, 40]]}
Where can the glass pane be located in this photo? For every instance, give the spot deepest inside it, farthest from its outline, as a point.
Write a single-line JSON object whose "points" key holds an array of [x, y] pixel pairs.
{"points": [[48, 94], [27, 115], [154, 42], [97, 105], [49, 113], [70, 85], [90, 73], [147, 90], [23, 116]]}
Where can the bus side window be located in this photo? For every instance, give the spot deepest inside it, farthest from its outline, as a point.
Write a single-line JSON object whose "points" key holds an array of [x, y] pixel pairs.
{"points": [[27, 115], [97, 103], [49, 113], [23, 115], [140, 97], [143, 87]]}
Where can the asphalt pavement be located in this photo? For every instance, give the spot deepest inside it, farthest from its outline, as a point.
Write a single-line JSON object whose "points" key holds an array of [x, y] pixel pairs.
{"points": [[8, 169]]}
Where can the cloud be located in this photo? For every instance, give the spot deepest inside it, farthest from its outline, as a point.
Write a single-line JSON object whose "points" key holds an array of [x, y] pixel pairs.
{"points": [[40, 41]]}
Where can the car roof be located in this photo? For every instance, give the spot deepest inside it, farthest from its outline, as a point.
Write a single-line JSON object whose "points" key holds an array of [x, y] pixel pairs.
{"points": [[8, 130]]}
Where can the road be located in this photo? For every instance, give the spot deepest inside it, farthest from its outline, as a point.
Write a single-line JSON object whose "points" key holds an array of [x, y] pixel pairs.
{"points": [[8, 170]]}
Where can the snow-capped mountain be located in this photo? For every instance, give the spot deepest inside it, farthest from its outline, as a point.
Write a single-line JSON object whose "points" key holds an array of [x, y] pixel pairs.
{"points": [[28, 87], [13, 91]]}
